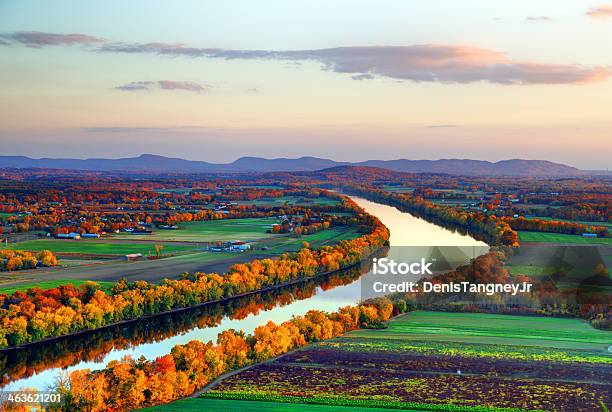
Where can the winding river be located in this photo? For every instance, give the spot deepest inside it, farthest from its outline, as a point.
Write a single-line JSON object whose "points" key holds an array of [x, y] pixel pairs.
{"points": [[409, 235]]}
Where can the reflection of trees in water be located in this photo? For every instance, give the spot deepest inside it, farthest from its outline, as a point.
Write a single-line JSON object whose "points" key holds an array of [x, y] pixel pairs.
{"points": [[95, 345]]}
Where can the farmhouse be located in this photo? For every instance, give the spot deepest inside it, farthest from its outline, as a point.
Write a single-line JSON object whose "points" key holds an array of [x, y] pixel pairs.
{"points": [[233, 246], [133, 256], [71, 235], [239, 246]]}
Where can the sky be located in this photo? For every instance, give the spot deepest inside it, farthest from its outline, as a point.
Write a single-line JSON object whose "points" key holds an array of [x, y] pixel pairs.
{"points": [[349, 80]]}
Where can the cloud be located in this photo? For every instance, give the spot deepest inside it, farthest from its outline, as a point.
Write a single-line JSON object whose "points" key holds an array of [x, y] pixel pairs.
{"points": [[120, 129], [181, 85], [136, 86], [162, 85], [538, 19], [136, 129], [603, 12], [419, 63], [364, 76], [39, 39]]}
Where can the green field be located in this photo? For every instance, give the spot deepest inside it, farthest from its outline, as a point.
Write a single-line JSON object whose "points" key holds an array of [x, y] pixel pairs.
{"points": [[262, 187], [398, 189], [323, 238], [478, 328], [211, 231], [290, 200], [217, 405], [49, 284], [96, 247], [561, 238], [529, 270], [606, 224]]}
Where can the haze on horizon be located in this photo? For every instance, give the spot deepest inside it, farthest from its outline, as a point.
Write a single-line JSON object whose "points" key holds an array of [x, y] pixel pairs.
{"points": [[348, 80]]}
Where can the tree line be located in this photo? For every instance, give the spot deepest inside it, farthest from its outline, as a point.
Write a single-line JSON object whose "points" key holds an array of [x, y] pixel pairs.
{"points": [[37, 314], [130, 384], [19, 259]]}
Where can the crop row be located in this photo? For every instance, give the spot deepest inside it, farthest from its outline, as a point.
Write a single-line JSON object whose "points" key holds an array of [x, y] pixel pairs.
{"points": [[471, 350], [367, 403], [370, 379]]}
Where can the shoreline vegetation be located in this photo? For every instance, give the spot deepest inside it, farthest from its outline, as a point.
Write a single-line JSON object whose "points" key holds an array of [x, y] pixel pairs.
{"points": [[93, 345], [68, 310], [195, 306]]}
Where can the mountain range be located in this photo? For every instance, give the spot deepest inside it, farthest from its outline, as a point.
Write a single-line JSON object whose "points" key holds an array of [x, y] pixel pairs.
{"points": [[162, 164]]}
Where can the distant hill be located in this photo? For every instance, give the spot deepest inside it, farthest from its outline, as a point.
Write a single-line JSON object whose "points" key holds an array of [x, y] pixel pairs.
{"points": [[477, 167], [259, 164], [156, 163], [367, 172], [145, 162]]}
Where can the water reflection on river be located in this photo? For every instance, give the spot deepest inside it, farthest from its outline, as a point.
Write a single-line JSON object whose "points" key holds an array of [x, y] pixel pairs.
{"points": [[156, 338]]}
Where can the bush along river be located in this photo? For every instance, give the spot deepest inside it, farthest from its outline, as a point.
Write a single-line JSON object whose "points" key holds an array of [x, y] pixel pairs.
{"points": [[38, 365]]}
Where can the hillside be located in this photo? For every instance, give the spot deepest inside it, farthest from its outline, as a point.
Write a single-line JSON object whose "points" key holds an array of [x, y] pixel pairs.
{"points": [[157, 163]]}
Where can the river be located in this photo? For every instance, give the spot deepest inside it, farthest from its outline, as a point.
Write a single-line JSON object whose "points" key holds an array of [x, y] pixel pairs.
{"points": [[409, 235]]}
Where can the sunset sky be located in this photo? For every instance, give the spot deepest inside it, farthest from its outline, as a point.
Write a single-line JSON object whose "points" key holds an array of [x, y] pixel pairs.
{"points": [[341, 79]]}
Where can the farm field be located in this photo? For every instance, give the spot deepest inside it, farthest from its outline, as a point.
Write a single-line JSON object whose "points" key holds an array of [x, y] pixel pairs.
{"points": [[479, 328], [192, 260], [561, 238], [96, 247], [455, 202], [529, 270], [218, 405], [425, 359], [49, 284], [262, 187], [290, 200], [210, 231], [606, 224], [316, 240], [398, 189]]}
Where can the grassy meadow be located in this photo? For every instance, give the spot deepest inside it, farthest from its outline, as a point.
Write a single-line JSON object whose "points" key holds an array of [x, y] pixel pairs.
{"points": [[49, 284], [290, 200], [97, 247], [218, 405], [479, 328], [561, 238], [210, 231]]}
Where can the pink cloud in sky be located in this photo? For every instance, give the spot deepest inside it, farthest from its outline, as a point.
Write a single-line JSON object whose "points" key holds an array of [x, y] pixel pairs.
{"points": [[419, 63], [603, 12], [181, 85], [148, 85], [38, 39]]}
